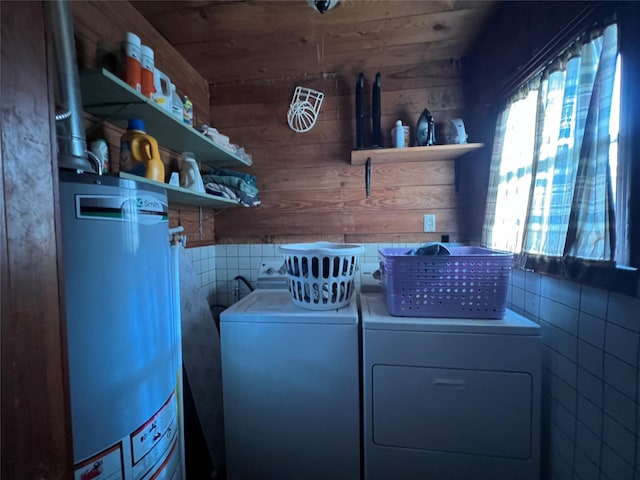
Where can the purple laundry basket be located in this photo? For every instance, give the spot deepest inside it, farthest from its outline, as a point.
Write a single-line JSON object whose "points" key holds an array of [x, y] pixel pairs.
{"points": [[472, 282]]}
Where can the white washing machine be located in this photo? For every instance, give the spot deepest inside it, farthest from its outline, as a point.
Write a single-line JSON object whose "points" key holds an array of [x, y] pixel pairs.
{"points": [[291, 389], [272, 274], [450, 399]]}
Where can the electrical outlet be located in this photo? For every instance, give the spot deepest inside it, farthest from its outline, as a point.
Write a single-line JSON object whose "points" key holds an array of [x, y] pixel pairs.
{"points": [[429, 223]]}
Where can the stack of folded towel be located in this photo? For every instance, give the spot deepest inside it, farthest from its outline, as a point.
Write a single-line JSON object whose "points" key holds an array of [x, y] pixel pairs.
{"points": [[223, 142], [217, 137], [238, 186]]}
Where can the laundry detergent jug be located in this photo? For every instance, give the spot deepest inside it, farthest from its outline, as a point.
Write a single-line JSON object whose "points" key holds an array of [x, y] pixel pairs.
{"points": [[139, 152]]}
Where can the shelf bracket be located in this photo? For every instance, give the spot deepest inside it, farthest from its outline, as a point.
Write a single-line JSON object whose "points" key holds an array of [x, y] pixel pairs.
{"points": [[102, 120]]}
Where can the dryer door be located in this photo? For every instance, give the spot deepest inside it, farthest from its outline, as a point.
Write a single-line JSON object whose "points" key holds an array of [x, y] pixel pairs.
{"points": [[453, 410]]}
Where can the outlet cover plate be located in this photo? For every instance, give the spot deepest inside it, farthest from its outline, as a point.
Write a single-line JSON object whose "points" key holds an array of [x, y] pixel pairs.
{"points": [[429, 223]]}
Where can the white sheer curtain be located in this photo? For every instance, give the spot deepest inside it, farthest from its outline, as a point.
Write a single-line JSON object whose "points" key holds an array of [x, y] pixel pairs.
{"points": [[510, 177]]}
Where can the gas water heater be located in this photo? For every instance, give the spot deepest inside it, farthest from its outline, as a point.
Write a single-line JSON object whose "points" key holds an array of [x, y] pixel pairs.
{"points": [[122, 339]]}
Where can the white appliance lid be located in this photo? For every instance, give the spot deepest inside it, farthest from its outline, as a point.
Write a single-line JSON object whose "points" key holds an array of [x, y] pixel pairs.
{"points": [[375, 316], [276, 306]]}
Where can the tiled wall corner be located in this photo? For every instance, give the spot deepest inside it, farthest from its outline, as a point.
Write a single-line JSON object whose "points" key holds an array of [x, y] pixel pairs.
{"points": [[591, 349], [203, 260], [239, 260]]}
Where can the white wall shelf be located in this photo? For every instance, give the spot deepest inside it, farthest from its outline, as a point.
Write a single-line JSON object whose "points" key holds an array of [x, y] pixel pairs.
{"points": [[106, 96]]}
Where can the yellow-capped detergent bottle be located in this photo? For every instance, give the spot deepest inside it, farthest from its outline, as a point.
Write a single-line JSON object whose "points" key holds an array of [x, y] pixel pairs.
{"points": [[128, 162], [146, 148], [139, 152]]}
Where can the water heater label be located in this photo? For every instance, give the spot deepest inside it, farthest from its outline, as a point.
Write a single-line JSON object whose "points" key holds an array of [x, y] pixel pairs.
{"points": [[106, 465], [151, 443], [149, 453], [170, 468], [138, 208]]}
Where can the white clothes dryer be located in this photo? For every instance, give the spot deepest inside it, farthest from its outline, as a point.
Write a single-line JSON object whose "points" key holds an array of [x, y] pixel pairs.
{"points": [[291, 389], [450, 399]]}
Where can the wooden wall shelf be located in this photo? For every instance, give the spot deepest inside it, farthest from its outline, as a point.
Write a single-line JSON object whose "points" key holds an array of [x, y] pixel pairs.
{"points": [[413, 154], [184, 196], [106, 96]]}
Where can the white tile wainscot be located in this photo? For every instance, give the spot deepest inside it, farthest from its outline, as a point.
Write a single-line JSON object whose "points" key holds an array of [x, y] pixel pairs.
{"points": [[591, 409], [203, 260]]}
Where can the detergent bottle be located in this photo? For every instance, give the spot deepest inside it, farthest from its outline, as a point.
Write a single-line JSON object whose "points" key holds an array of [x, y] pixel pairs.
{"points": [[177, 107], [139, 152], [162, 86], [147, 149], [132, 57], [397, 135], [187, 110], [190, 177], [147, 80]]}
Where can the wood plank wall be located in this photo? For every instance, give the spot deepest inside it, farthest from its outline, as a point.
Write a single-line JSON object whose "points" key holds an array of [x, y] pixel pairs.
{"points": [[256, 53], [36, 424], [309, 190], [99, 28], [307, 185]]}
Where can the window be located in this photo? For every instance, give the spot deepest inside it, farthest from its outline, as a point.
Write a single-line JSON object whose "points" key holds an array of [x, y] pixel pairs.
{"points": [[555, 166]]}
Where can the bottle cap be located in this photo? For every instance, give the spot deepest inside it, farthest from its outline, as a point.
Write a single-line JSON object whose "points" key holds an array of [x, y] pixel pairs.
{"points": [[132, 38], [399, 123], [135, 124], [146, 51]]}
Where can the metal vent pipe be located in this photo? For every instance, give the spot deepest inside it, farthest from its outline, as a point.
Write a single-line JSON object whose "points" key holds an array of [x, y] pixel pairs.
{"points": [[72, 143]]}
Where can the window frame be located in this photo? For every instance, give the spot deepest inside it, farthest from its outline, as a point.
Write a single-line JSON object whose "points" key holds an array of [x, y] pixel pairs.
{"points": [[629, 135]]}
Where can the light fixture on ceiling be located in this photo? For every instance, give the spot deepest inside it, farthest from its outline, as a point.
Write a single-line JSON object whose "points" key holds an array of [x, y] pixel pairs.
{"points": [[323, 5]]}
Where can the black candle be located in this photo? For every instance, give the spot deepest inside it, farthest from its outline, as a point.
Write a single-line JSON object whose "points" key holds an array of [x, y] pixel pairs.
{"points": [[375, 113], [359, 113]]}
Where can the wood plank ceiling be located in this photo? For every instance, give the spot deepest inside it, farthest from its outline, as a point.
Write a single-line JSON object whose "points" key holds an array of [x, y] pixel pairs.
{"points": [[244, 40]]}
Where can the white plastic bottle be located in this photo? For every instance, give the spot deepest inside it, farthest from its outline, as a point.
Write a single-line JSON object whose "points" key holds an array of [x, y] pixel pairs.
{"points": [[190, 177], [176, 103], [162, 85], [398, 135]]}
